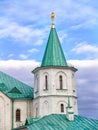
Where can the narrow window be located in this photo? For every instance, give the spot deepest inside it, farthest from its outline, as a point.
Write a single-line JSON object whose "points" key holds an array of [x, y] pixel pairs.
{"points": [[61, 82], [46, 82], [36, 111], [62, 107], [18, 115], [37, 83]]}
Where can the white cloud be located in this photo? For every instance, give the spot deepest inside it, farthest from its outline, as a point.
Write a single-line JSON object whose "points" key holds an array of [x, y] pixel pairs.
{"points": [[84, 47], [23, 56], [79, 13], [84, 63], [33, 50], [84, 24], [62, 35], [38, 42], [21, 33], [21, 70], [28, 53], [10, 55]]}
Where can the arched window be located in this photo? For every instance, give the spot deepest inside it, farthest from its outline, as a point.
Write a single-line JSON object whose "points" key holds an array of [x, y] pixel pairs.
{"points": [[46, 82], [36, 83], [45, 108], [62, 107], [36, 112], [18, 114], [61, 81]]}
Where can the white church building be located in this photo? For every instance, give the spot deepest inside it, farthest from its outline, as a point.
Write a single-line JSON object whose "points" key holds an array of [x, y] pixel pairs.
{"points": [[54, 90]]}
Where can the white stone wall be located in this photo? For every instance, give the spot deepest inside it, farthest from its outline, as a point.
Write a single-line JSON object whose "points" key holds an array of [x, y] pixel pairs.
{"points": [[51, 105], [5, 112], [53, 81], [46, 101], [25, 107]]}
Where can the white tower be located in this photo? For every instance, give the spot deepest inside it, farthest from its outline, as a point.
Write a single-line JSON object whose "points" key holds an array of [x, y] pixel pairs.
{"points": [[54, 81]]}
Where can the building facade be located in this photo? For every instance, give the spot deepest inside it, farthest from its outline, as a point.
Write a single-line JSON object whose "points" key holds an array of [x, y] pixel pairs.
{"points": [[16, 102]]}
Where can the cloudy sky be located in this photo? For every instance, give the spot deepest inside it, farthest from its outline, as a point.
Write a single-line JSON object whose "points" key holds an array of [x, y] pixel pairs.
{"points": [[24, 30]]}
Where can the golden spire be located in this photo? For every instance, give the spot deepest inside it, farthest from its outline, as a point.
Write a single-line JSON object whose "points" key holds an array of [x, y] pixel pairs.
{"points": [[52, 18]]}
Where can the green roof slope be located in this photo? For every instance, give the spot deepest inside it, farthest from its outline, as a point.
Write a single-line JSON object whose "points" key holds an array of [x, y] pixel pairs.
{"points": [[31, 120], [53, 55], [60, 122], [13, 88]]}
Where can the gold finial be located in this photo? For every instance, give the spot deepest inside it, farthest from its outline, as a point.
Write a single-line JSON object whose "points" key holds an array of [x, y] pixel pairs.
{"points": [[52, 18]]}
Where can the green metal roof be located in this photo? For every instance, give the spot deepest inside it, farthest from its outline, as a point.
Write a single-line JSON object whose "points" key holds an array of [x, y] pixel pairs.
{"points": [[31, 120], [60, 122], [13, 88], [53, 55]]}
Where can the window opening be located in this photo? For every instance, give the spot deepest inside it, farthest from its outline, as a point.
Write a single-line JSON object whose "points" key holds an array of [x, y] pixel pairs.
{"points": [[46, 82], [18, 115], [36, 111], [62, 107], [61, 81]]}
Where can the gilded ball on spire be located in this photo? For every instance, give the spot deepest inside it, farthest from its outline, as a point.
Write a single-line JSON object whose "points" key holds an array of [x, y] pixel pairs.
{"points": [[53, 15], [52, 18]]}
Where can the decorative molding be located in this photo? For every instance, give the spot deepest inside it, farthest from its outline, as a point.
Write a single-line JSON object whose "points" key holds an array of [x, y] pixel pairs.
{"points": [[61, 89], [55, 96], [45, 89]]}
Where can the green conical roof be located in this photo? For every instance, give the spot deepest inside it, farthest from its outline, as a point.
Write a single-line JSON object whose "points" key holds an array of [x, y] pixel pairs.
{"points": [[53, 55]]}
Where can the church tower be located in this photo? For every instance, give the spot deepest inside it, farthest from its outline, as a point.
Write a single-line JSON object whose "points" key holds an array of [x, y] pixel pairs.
{"points": [[54, 80]]}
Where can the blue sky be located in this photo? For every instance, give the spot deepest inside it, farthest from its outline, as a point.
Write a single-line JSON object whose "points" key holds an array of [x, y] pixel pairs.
{"points": [[24, 30]]}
